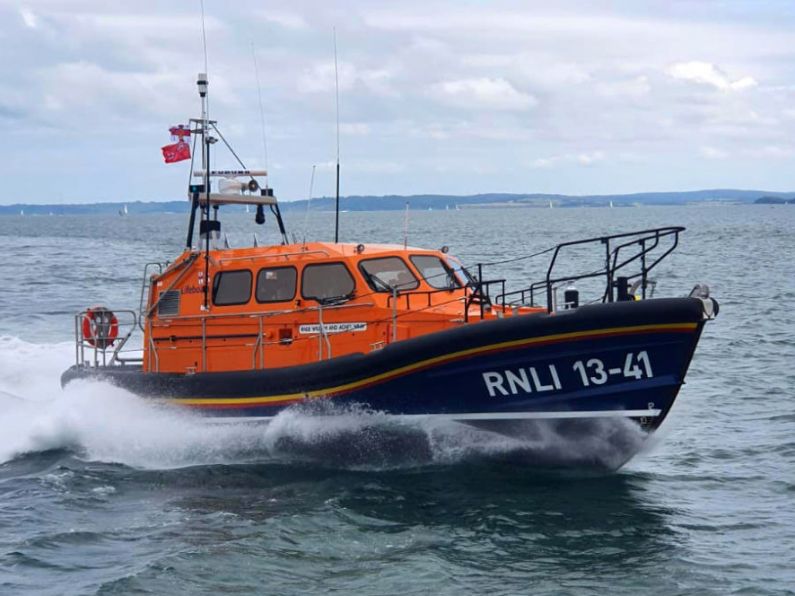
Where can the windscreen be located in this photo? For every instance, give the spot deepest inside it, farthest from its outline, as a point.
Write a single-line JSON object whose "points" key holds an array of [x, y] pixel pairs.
{"points": [[435, 272], [391, 271]]}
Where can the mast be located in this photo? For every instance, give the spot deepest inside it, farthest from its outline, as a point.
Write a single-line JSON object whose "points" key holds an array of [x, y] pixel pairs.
{"points": [[205, 139], [337, 91]]}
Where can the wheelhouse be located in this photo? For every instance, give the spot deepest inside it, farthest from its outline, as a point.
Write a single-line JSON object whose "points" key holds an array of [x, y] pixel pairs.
{"points": [[269, 307]]}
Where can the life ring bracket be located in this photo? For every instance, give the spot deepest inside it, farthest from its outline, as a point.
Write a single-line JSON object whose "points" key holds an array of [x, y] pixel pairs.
{"points": [[99, 327]]}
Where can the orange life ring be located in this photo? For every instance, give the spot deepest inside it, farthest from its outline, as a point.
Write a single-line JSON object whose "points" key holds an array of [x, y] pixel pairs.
{"points": [[100, 327]]}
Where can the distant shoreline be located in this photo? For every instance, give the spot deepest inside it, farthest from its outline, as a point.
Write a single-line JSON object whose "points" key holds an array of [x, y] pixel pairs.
{"points": [[432, 202]]}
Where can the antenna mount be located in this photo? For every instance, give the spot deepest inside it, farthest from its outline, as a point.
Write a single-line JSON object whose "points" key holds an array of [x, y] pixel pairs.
{"points": [[202, 84]]}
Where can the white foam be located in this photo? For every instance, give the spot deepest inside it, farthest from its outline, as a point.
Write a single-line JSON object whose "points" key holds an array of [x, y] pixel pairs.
{"points": [[32, 370]]}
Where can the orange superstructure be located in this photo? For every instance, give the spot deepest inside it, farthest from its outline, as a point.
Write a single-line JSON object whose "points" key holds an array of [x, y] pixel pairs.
{"points": [[277, 306]]}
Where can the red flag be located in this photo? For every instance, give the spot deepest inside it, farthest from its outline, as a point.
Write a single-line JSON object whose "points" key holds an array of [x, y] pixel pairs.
{"points": [[176, 152], [179, 132]]}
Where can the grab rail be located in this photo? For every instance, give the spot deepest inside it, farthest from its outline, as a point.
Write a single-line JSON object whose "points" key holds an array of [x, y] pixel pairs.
{"points": [[616, 287], [96, 350]]}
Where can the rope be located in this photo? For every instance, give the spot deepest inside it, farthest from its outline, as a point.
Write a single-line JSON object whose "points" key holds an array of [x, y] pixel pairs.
{"points": [[522, 258]]}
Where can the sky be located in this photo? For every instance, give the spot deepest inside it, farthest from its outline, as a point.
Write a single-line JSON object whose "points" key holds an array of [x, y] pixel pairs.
{"points": [[436, 96]]}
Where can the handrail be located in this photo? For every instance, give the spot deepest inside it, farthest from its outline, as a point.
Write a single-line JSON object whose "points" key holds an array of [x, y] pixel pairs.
{"points": [[407, 294], [101, 346], [479, 295], [645, 240], [275, 256], [259, 344], [146, 283], [185, 263], [272, 313]]}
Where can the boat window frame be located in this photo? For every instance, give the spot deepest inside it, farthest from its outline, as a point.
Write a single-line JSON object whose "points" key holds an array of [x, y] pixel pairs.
{"points": [[325, 264], [465, 278], [451, 274], [217, 282], [295, 284], [401, 288]]}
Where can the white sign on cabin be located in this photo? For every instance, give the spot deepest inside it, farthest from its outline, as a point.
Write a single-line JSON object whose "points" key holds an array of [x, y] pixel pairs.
{"points": [[332, 328]]}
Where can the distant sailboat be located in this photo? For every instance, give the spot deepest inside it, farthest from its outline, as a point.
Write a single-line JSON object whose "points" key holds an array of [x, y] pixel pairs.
{"points": [[123, 211], [550, 204], [22, 212], [611, 204]]}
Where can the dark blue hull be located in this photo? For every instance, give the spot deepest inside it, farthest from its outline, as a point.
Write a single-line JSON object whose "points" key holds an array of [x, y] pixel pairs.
{"points": [[609, 360]]}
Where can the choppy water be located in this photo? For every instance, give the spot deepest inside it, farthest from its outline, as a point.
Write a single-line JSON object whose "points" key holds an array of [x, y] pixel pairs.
{"points": [[101, 492]]}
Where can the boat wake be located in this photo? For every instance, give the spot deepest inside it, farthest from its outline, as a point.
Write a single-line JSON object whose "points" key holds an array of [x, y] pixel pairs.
{"points": [[100, 422]]}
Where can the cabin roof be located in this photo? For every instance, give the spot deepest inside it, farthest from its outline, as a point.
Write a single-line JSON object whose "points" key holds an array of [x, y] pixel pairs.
{"points": [[316, 250]]}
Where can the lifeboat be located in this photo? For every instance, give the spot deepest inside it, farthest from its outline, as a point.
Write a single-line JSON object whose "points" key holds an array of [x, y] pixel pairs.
{"points": [[243, 333]]}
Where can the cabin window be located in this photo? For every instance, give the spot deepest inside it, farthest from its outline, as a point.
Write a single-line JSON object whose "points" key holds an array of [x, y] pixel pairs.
{"points": [[392, 271], [326, 280], [276, 284], [232, 287], [435, 272]]}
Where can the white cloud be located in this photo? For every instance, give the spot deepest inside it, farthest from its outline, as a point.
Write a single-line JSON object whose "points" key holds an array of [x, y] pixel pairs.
{"points": [[713, 153], [707, 73], [29, 18], [774, 152], [543, 163], [588, 159], [480, 93], [497, 23], [107, 97], [355, 128], [363, 165], [625, 88], [320, 78], [284, 19], [98, 85], [570, 85], [582, 159], [374, 166], [489, 126], [326, 166]]}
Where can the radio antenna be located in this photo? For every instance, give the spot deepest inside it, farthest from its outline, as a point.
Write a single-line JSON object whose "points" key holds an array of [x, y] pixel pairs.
{"points": [[406, 227], [309, 200], [261, 113], [204, 46], [337, 94]]}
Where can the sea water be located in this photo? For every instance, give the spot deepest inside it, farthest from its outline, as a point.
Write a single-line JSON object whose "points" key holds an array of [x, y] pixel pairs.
{"points": [[102, 492]]}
